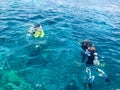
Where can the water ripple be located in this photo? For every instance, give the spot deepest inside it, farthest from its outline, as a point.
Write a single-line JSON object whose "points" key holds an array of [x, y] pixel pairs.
{"points": [[65, 24]]}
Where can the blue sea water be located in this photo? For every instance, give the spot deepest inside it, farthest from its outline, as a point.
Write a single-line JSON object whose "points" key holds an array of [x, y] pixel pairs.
{"points": [[56, 65]]}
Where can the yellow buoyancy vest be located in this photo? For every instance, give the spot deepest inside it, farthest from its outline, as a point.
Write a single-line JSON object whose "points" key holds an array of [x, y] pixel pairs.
{"points": [[39, 33]]}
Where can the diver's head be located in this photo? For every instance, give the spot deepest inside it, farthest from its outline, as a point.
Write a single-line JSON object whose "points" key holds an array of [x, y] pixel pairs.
{"points": [[37, 26], [92, 48], [86, 41]]}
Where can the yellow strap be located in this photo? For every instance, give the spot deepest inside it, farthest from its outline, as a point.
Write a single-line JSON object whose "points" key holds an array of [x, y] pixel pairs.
{"points": [[42, 33]]}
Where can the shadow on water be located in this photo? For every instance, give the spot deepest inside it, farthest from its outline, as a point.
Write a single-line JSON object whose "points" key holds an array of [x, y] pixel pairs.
{"points": [[37, 61]]}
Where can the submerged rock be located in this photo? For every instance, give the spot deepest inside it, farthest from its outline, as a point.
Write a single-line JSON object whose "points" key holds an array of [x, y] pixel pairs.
{"points": [[11, 81]]}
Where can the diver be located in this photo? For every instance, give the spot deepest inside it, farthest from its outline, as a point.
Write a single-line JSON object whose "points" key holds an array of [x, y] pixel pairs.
{"points": [[85, 45], [91, 57], [36, 31], [91, 54]]}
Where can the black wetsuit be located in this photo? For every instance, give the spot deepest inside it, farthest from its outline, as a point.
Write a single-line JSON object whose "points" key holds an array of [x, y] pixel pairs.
{"points": [[90, 58]]}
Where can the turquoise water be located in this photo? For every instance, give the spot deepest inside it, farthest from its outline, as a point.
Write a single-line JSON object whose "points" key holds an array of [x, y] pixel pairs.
{"points": [[57, 63]]}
